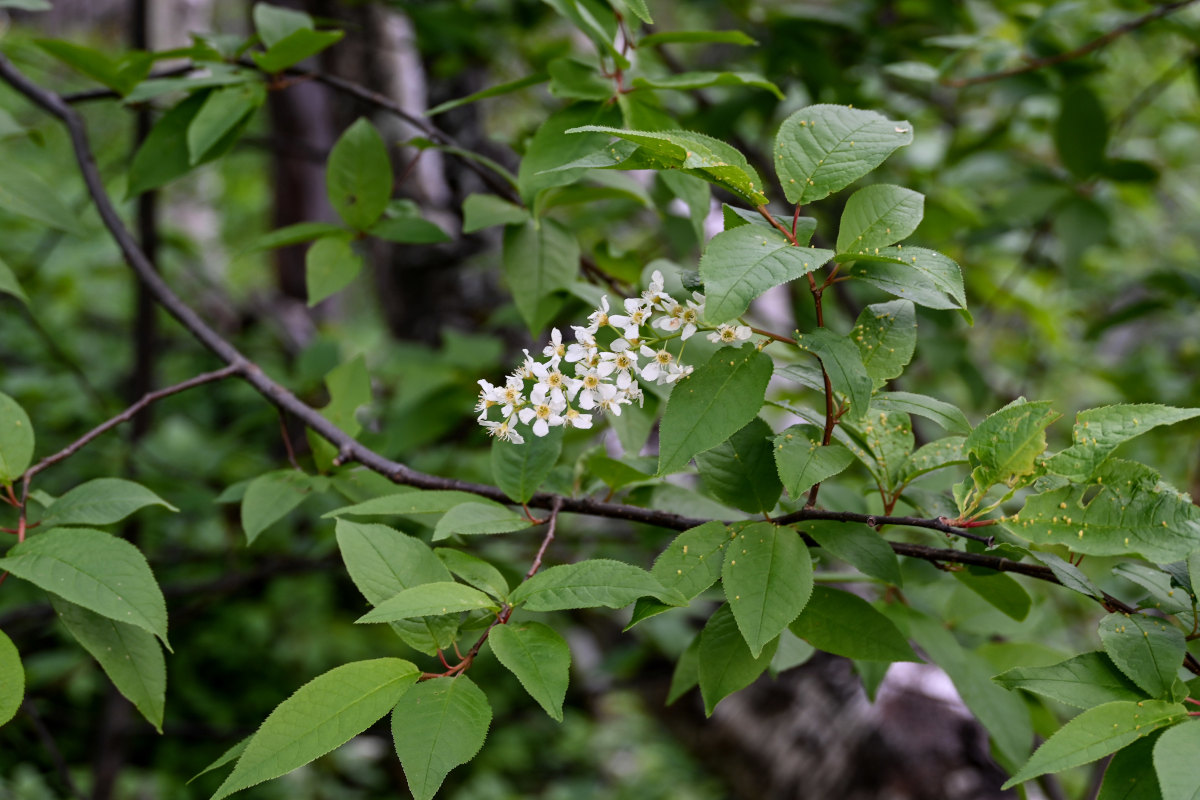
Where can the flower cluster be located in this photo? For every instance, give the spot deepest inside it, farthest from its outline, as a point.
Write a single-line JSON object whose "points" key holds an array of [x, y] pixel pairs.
{"points": [[602, 377]]}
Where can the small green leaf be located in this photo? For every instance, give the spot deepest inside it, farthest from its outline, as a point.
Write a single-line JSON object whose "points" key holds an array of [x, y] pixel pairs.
{"points": [[93, 569], [430, 600], [408, 503], [1164, 594], [294, 48], [358, 176], [295, 234], [1130, 775], [859, 546], [436, 726], [591, 583], [802, 461], [520, 469], [1084, 681], [741, 471], [718, 399], [1007, 443], [119, 73], [228, 757], [877, 216], [578, 80], [275, 23], [692, 562], [164, 154], [1099, 431], [696, 37], [844, 364], [937, 454], [16, 440], [476, 518], [687, 670], [9, 283], [1148, 650], [886, 335], [1175, 762], [768, 579], [330, 265], [27, 194], [12, 679], [102, 501], [1081, 131], [485, 210], [408, 230], [949, 417], [320, 716], [474, 570], [491, 91], [540, 659], [823, 148], [270, 497], [690, 81], [726, 664], [740, 264], [1097, 732], [550, 148], [539, 261], [926, 277], [1069, 575], [224, 110], [130, 657], [999, 590], [846, 625]]}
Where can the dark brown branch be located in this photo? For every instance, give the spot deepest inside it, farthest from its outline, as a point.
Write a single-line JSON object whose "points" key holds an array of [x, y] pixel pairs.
{"points": [[128, 414], [1035, 64]]}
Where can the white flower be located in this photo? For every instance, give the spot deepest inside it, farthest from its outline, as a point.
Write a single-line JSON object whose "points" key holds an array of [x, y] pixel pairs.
{"points": [[546, 411], [550, 380], [657, 369], [637, 314], [728, 334], [599, 317], [608, 399], [555, 349], [525, 371], [583, 348], [590, 383], [512, 396], [691, 315], [677, 371], [487, 398], [655, 295], [624, 363], [577, 420], [672, 320], [503, 430]]}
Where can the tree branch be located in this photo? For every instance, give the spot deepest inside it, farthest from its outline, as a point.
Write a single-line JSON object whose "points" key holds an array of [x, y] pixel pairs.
{"points": [[1035, 64]]}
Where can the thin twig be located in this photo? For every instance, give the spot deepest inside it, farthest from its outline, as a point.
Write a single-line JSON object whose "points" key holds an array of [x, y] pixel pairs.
{"points": [[128, 414], [1035, 64]]}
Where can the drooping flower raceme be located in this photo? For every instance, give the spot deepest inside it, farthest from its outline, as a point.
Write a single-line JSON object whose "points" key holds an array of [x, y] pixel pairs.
{"points": [[579, 378]]}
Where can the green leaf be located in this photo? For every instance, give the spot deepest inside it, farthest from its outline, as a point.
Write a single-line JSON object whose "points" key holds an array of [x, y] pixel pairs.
{"points": [[1175, 762], [224, 110], [999, 590], [571, 78], [889, 440], [93, 569], [1084, 681], [877, 216], [726, 663], [737, 217], [692, 562], [615, 474], [742, 263], [383, 562], [846, 625], [539, 260], [520, 469], [540, 659], [694, 153], [165, 155], [1148, 650], [408, 503], [696, 37], [859, 546], [926, 277], [119, 73], [320, 716], [270, 497], [12, 679], [275, 23], [844, 365], [474, 570], [949, 417], [718, 399], [228, 757], [295, 234], [551, 148], [1099, 431], [935, 455], [476, 518], [437, 726], [695, 193], [358, 176], [408, 230], [1165, 595], [802, 461], [1081, 131], [636, 7], [491, 91], [741, 471], [26, 194], [1069, 575], [130, 657], [1007, 443], [791, 653], [690, 81], [430, 600], [886, 335], [294, 48], [1126, 511], [330, 265], [485, 210], [768, 578], [687, 669], [823, 148], [1130, 775], [1097, 732], [101, 502], [16, 440], [9, 283], [591, 583]]}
